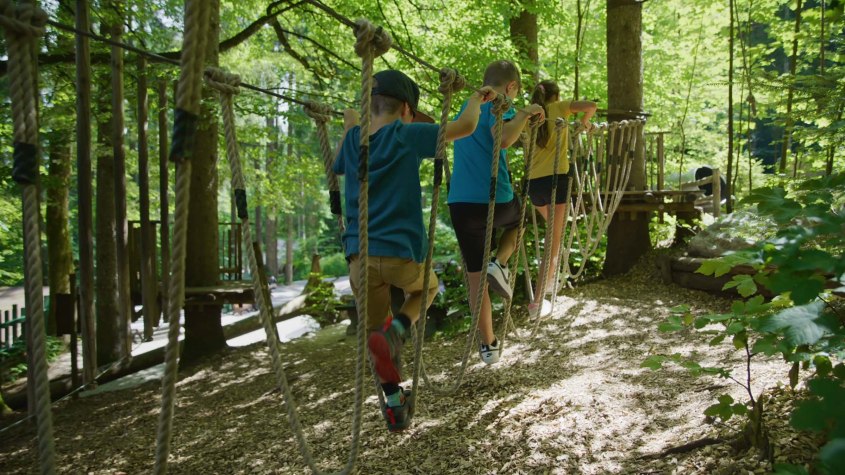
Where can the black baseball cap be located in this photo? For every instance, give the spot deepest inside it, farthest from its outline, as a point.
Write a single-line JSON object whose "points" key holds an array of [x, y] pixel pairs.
{"points": [[396, 84]]}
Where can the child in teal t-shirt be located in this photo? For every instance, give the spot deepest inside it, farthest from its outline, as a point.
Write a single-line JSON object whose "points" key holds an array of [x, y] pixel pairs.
{"points": [[397, 241], [469, 198]]}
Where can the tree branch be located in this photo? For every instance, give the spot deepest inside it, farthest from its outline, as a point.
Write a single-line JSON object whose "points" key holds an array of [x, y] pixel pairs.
{"points": [[225, 45]]}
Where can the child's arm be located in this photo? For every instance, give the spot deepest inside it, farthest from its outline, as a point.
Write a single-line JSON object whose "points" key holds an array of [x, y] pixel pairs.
{"points": [[513, 128], [351, 118], [587, 107], [468, 120]]}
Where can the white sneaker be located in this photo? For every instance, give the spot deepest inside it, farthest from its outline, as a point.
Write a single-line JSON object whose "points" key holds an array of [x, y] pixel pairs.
{"points": [[497, 278], [490, 353], [537, 310]]}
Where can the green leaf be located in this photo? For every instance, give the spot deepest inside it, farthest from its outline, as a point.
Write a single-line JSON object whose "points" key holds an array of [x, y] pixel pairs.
{"points": [[789, 469], [680, 309], [726, 399], [766, 345], [801, 325], [839, 371], [740, 340], [739, 409], [832, 456], [823, 365], [672, 324], [735, 327], [717, 339], [653, 362]]}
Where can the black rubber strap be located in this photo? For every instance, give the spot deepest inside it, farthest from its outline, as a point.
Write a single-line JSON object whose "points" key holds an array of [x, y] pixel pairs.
{"points": [[334, 200], [363, 169], [438, 171], [25, 168], [240, 203], [184, 133]]}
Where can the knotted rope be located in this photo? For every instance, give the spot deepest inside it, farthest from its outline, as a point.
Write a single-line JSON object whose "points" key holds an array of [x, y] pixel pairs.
{"points": [[499, 106], [530, 150], [450, 82], [321, 113], [24, 25], [189, 93]]}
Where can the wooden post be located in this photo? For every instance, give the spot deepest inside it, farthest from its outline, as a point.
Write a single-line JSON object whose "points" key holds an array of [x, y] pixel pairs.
{"points": [[163, 186], [84, 180], [149, 287], [717, 192]]}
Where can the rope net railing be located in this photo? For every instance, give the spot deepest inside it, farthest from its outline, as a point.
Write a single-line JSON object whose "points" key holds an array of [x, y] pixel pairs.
{"points": [[602, 159]]}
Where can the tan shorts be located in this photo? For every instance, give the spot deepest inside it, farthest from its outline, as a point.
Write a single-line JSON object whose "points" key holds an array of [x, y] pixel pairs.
{"points": [[383, 272]]}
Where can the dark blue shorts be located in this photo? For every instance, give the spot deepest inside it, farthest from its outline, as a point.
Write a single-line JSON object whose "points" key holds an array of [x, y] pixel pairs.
{"points": [[540, 190]]}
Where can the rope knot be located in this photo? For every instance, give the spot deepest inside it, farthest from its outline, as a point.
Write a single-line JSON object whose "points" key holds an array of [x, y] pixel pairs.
{"points": [[222, 80], [450, 81], [24, 19], [369, 36], [318, 111], [501, 104]]}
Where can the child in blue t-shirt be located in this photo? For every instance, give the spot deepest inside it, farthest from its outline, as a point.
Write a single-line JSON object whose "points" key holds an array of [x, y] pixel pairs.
{"points": [[469, 196], [397, 235]]}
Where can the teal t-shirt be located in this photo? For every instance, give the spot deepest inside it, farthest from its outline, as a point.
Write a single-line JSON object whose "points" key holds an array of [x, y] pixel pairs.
{"points": [[396, 226], [471, 172]]}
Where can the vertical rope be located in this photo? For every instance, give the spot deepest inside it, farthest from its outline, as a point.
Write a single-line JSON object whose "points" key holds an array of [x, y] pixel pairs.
{"points": [[188, 97], [450, 82], [514, 267], [321, 114], [23, 25]]}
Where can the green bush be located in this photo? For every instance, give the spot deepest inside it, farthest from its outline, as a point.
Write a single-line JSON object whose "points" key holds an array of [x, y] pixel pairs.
{"points": [[804, 322]]}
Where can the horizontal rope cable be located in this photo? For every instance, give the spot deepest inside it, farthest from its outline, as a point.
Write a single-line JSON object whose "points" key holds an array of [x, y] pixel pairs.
{"points": [[165, 59]]}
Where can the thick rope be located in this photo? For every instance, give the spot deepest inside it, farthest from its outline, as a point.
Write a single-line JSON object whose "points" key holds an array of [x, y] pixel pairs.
{"points": [[321, 113], [24, 25], [189, 93], [227, 85], [450, 82], [530, 150], [499, 106]]}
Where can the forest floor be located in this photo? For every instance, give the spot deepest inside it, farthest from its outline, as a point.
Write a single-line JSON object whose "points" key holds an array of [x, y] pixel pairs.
{"points": [[572, 399]]}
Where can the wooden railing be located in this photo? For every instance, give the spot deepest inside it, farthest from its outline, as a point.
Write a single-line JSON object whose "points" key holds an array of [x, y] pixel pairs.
{"points": [[715, 180]]}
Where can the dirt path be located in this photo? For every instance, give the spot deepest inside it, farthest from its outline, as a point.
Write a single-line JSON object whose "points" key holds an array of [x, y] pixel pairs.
{"points": [[571, 400]]}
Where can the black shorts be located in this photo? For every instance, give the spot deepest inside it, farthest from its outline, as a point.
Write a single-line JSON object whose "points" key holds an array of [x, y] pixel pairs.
{"points": [[470, 223], [540, 190]]}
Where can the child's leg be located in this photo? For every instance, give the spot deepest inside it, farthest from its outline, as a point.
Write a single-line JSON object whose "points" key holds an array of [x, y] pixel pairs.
{"points": [[414, 291], [560, 220], [485, 318], [507, 216]]}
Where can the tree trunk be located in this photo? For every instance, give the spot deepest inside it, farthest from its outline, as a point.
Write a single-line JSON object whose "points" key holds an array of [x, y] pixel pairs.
{"points": [[786, 145], [149, 283], [108, 340], [523, 30], [289, 224], [203, 327], [627, 239], [728, 180], [163, 185], [60, 255], [85, 193], [270, 242]]}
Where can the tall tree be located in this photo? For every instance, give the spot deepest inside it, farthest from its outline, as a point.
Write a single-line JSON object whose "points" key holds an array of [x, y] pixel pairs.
{"points": [[124, 298], [627, 239], [523, 30], [270, 228], [786, 144], [108, 341], [203, 327], [60, 255]]}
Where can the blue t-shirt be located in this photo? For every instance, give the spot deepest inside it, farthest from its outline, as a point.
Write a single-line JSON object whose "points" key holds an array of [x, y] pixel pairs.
{"points": [[396, 226], [471, 173]]}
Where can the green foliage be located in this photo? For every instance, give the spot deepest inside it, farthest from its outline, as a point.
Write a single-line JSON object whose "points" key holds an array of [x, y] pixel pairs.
{"points": [[802, 322]]}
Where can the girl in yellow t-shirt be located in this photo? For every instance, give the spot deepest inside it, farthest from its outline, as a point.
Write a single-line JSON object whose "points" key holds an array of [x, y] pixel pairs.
{"points": [[541, 174]]}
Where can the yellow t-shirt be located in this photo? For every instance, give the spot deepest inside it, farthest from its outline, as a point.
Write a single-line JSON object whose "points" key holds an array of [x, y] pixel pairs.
{"points": [[544, 157]]}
